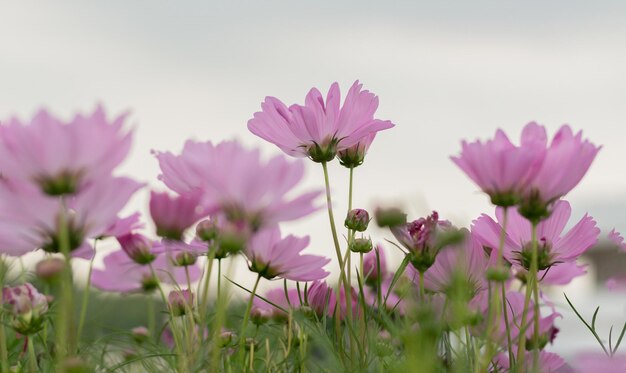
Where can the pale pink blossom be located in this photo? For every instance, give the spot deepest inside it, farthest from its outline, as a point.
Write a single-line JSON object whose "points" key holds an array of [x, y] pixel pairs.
{"points": [[62, 158], [617, 239], [375, 265], [599, 362], [173, 215], [554, 245], [549, 362], [319, 128], [124, 226], [271, 256], [237, 183], [501, 169]]}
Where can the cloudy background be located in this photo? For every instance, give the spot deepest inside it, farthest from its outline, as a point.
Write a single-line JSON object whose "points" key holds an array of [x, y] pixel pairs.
{"points": [[444, 71]]}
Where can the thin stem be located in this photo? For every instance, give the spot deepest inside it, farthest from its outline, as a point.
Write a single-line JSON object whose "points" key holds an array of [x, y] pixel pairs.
{"points": [[32, 357], [151, 316], [246, 315], [65, 337], [204, 300], [4, 356], [530, 286], [329, 204], [86, 293], [534, 275]]}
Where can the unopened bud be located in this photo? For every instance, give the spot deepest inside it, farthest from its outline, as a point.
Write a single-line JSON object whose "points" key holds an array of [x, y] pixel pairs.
{"points": [[226, 338], [49, 269], [207, 230], [180, 301], [140, 334], [390, 217], [184, 259], [137, 247], [498, 274], [361, 245], [357, 220]]}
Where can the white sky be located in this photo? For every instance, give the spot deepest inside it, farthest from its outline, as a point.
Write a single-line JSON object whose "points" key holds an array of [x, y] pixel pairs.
{"points": [[444, 71]]}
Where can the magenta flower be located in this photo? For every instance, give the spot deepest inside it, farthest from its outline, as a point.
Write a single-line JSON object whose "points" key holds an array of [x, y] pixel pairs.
{"points": [[173, 215], [319, 128], [616, 238], [322, 298], [566, 161], [501, 169], [422, 237], [554, 245], [122, 274], [62, 158], [26, 308], [237, 183], [270, 256], [29, 219]]}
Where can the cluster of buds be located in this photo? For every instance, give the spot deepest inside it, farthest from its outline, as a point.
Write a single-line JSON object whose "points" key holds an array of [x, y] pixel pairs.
{"points": [[358, 220], [26, 307]]}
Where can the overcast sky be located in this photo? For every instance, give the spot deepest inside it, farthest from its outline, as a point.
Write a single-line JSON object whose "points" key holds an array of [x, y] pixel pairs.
{"points": [[444, 71]]}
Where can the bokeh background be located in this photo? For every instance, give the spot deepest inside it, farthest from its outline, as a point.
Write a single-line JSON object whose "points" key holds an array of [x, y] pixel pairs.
{"points": [[444, 71]]}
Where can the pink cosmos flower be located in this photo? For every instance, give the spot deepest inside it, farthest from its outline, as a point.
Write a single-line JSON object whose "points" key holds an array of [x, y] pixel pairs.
{"points": [[566, 161], [548, 363], [29, 218], [237, 183], [62, 158], [124, 226], [501, 169], [321, 127], [122, 274], [597, 362], [616, 238], [270, 256], [467, 260], [172, 215], [180, 301], [322, 298], [264, 310], [137, 247], [422, 237], [555, 246]]}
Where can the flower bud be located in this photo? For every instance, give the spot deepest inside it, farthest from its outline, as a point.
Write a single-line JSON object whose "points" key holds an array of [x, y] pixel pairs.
{"points": [[140, 334], [180, 301], [232, 239], [260, 316], [500, 274], [26, 306], [226, 338], [49, 269], [184, 259], [389, 217], [357, 220], [137, 247], [361, 245], [207, 230]]}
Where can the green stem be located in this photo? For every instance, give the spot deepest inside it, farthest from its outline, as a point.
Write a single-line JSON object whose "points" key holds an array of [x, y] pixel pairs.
{"points": [[151, 316], [530, 286], [65, 327], [4, 355], [204, 299], [86, 293], [32, 357], [246, 316]]}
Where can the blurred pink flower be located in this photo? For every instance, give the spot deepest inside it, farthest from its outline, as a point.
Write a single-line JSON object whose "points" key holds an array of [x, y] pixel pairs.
{"points": [[566, 161], [237, 183], [137, 247], [554, 246], [271, 256], [598, 362], [62, 158], [548, 363], [501, 169], [180, 301], [124, 226], [321, 127], [321, 298], [122, 274], [262, 309], [29, 219], [617, 239], [467, 260], [173, 215], [26, 307]]}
